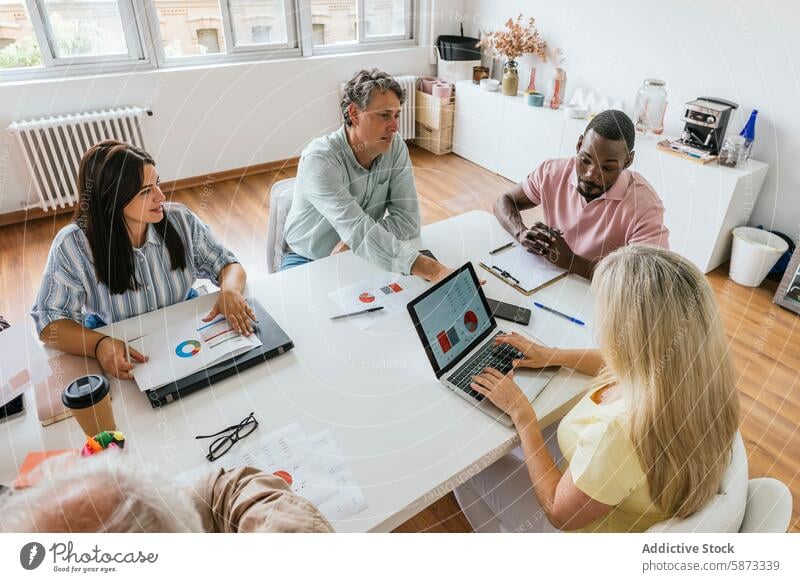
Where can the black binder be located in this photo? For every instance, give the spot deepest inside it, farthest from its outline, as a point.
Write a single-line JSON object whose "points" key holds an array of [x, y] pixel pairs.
{"points": [[274, 342]]}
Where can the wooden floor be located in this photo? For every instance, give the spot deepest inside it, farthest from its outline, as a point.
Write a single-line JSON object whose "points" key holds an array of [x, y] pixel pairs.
{"points": [[765, 339]]}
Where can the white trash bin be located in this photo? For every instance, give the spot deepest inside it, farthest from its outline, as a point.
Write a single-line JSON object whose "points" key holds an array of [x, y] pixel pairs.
{"points": [[754, 253]]}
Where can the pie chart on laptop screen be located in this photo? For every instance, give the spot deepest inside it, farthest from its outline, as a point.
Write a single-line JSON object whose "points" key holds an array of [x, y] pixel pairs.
{"points": [[471, 321]]}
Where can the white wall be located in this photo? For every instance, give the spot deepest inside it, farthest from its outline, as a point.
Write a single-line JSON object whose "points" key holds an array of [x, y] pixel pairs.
{"points": [[747, 51], [206, 119]]}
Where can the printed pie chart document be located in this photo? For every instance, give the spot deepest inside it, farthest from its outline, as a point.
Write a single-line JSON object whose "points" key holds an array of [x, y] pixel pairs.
{"points": [[185, 348], [387, 290]]}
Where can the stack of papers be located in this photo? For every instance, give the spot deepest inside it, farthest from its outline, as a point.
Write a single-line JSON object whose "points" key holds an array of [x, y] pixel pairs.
{"points": [[312, 466], [181, 349]]}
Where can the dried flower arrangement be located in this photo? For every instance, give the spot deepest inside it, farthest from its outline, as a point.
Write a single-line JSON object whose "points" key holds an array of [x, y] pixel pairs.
{"points": [[515, 41]]}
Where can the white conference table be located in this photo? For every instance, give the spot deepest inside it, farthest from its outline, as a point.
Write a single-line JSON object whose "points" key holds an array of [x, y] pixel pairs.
{"points": [[406, 438]]}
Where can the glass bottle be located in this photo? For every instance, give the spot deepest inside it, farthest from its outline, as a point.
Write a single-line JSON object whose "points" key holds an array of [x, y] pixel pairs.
{"points": [[749, 134], [651, 104], [532, 83], [559, 88]]}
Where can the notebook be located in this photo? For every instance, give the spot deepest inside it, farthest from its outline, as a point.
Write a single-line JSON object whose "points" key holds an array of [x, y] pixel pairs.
{"points": [[523, 270]]}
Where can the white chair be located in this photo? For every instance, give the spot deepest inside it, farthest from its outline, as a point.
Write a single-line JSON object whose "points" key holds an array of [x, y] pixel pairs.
{"points": [[769, 507], [280, 201], [758, 505]]}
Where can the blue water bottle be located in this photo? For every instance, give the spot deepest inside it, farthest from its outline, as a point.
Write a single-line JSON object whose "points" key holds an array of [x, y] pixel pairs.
{"points": [[749, 134]]}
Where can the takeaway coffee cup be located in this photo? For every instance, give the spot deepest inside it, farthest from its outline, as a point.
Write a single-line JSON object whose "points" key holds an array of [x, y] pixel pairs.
{"points": [[90, 403]]}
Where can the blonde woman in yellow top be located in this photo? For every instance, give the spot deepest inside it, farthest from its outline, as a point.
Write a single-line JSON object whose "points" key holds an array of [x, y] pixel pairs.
{"points": [[652, 437]]}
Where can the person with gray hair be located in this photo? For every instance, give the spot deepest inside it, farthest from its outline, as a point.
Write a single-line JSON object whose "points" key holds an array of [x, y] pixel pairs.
{"points": [[355, 187], [113, 492]]}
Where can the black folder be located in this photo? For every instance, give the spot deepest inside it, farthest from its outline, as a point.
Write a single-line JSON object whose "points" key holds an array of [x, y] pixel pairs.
{"points": [[274, 342]]}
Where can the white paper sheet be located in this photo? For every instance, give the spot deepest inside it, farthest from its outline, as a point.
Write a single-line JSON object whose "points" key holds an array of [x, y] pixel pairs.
{"points": [[184, 348], [313, 468], [348, 498], [530, 270], [23, 362], [388, 290], [287, 454]]}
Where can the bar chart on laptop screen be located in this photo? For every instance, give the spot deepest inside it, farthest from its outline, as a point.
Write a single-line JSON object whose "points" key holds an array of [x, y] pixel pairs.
{"points": [[452, 317]]}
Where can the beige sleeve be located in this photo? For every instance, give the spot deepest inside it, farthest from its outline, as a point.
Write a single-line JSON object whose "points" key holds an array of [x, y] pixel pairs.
{"points": [[249, 500]]}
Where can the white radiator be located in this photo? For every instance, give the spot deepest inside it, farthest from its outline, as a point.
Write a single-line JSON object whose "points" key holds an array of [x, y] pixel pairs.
{"points": [[53, 147], [408, 111]]}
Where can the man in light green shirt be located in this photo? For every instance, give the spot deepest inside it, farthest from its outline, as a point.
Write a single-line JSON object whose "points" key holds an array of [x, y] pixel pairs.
{"points": [[355, 187]]}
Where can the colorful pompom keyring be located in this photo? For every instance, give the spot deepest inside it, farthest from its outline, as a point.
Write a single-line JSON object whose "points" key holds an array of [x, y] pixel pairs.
{"points": [[100, 442]]}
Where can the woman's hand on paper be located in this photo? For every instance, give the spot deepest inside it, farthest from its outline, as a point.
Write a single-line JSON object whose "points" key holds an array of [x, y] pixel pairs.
{"points": [[536, 355], [237, 311], [111, 354]]}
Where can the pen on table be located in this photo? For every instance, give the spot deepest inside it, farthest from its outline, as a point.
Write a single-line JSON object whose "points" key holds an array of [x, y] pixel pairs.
{"points": [[370, 310], [502, 248], [564, 315]]}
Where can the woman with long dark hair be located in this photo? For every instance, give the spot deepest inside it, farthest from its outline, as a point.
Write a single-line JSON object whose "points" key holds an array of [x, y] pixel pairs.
{"points": [[128, 252]]}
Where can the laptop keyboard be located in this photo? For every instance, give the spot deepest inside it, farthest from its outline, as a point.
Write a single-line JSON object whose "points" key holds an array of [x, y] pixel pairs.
{"points": [[497, 356]]}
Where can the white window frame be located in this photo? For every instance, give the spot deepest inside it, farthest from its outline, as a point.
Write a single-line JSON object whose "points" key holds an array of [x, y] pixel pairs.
{"points": [[146, 51], [46, 37], [362, 43], [231, 53], [54, 66]]}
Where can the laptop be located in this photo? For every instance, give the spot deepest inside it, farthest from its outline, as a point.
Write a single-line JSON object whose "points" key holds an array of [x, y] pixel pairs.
{"points": [[457, 330], [274, 342]]}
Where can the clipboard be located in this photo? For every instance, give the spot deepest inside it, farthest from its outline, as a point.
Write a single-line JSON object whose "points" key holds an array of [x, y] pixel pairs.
{"points": [[524, 271]]}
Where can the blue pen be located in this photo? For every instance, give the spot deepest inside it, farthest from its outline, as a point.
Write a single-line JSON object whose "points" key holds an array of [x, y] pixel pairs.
{"points": [[564, 315]]}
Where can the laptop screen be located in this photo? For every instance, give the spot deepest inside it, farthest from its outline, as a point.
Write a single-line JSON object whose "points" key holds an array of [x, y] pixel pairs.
{"points": [[451, 317]]}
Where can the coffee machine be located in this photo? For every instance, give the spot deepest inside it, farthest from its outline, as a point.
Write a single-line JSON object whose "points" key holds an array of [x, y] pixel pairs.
{"points": [[706, 121]]}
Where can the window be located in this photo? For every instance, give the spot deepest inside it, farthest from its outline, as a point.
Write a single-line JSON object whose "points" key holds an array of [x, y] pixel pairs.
{"points": [[318, 34], [18, 46], [337, 19], [188, 27], [85, 27], [208, 40], [356, 22], [261, 34], [55, 34], [385, 17], [41, 37], [268, 16]]}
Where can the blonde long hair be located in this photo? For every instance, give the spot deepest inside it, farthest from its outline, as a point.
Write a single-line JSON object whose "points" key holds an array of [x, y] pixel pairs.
{"points": [[662, 340]]}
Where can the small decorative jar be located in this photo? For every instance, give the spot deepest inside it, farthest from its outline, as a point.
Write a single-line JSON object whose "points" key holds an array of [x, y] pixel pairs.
{"points": [[535, 99], [510, 78], [479, 73]]}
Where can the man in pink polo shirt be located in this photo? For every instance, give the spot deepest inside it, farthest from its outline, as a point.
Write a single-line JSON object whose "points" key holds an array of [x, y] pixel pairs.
{"points": [[592, 203]]}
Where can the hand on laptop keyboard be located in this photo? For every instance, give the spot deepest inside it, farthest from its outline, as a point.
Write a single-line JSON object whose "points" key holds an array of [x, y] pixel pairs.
{"points": [[499, 356], [503, 392]]}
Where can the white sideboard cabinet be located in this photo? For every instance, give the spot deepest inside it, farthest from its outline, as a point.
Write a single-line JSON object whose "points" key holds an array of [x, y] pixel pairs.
{"points": [[703, 202]]}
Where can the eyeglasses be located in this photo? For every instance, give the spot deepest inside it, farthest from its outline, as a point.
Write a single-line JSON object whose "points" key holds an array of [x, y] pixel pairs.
{"points": [[224, 443]]}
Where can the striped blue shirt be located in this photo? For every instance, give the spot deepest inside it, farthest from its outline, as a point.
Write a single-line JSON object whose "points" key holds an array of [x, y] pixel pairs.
{"points": [[70, 289]]}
